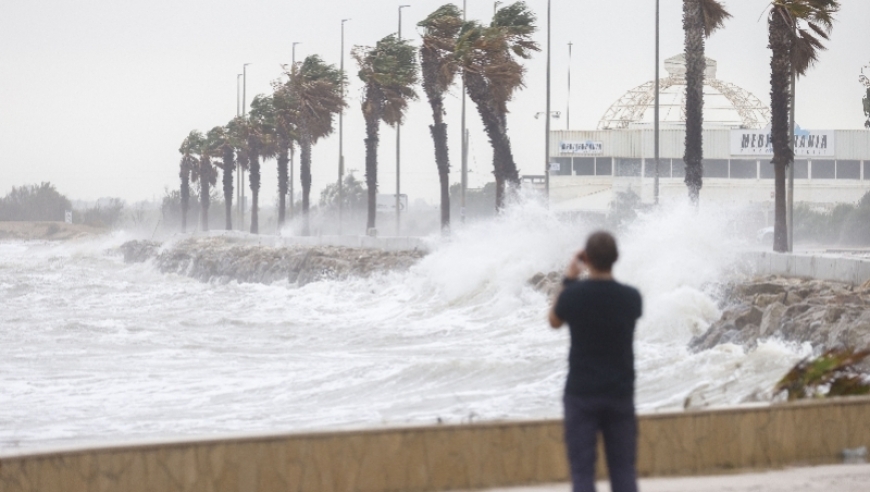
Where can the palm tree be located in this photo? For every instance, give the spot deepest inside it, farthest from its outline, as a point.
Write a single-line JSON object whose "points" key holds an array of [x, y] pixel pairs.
{"points": [[260, 143], [205, 173], [796, 29], [286, 133], [439, 68], [389, 72], [314, 92], [189, 147], [700, 19], [492, 73], [224, 146]]}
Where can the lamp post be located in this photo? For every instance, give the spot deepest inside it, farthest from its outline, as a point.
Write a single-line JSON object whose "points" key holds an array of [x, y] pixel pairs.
{"points": [[399, 146], [495, 7], [292, 145], [464, 147], [244, 115], [341, 136], [547, 125], [568, 107], [238, 166], [656, 115]]}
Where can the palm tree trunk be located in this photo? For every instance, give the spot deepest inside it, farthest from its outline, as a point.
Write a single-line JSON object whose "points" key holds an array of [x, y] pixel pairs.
{"points": [[229, 165], [255, 191], [203, 200], [696, 64], [371, 168], [780, 73], [430, 65], [185, 197], [283, 159], [504, 167], [305, 178]]}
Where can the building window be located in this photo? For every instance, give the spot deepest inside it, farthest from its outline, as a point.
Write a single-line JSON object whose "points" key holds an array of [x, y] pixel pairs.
{"points": [[604, 166], [716, 168], [824, 169], [678, 168], [767, 171], [741, 169], [584, 166], [628, 167], [866, 170], [801, 169], [664, 168], [848, 169]]}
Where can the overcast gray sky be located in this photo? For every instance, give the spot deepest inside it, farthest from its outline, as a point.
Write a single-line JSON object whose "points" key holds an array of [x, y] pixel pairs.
{"points": [[97, 95]]}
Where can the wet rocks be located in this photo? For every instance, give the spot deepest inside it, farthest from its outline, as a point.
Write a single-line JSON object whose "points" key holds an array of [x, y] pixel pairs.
{"points": [[223, 259], [824, 314], [549, 283]]}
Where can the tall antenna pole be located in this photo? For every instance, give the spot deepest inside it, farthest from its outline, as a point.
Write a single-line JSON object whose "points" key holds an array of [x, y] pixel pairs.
{"points": [[547, 125], [568, 109], [341, 136], [656, 116], [464, 149], [399, 148]]}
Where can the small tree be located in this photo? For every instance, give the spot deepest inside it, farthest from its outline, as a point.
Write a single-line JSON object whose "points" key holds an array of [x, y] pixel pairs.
{"points": [[189, 161]]}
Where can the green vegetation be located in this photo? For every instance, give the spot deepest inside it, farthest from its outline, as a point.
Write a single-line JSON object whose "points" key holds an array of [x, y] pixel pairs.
{"points": [[34, 203], [846, 224], [834, 373]]}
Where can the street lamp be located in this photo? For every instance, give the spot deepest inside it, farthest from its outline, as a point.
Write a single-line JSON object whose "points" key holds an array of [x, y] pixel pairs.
{"points": [[398, 146], [547, 125], [244, 115], [292, 145], [341, 135], [238, 165], [568, 107], [656, 116]]}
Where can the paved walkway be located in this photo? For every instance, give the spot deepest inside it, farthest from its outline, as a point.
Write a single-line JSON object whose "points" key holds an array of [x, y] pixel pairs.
{"points": [[832, 478]]}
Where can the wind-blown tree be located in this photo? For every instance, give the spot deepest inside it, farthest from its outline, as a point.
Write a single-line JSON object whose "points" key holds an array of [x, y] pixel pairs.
{"points": [[221, 138], [189, 148], [389, 72], [286, 133], [260, 143], [491, 70], [439, 69], [204, 172], [796, 29], [700, 19], [314, 91]]}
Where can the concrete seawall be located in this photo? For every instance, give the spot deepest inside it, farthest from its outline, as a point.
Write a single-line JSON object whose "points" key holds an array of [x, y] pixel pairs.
{"points": [[446, 457], [853, 271]]}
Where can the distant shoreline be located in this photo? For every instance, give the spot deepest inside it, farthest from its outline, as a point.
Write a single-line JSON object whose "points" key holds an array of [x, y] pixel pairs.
{"points": [[46, 231]]}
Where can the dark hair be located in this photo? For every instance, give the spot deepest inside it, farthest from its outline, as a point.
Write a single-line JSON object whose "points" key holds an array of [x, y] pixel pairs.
{"points": [[601, 251]]}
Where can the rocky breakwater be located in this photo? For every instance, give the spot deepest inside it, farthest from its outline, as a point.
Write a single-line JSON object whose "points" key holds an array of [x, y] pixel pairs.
{"points": [[224, 259], [825, 314]]}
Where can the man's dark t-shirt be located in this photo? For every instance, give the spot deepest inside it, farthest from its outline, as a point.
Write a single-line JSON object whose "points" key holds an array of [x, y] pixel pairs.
{"points": [[602, 315]]}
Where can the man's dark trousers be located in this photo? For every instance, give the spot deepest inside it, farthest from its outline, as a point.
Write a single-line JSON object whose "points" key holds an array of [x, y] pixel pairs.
{"points": [[615, 418]]}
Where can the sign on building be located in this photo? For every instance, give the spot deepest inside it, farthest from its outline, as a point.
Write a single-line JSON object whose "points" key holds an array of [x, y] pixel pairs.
{"points": [[67, 216], [807, 143], [581, 148], [555, 167]]}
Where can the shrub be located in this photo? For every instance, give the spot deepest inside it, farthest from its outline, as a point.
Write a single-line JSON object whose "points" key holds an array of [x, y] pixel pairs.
{"points": [[34, 202]]}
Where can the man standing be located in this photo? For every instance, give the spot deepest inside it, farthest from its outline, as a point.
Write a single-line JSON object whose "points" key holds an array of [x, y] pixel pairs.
{"points": [[599, 394]]}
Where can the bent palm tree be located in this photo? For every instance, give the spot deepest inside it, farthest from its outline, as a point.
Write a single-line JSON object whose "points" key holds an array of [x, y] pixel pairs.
{"points": [[441, 30], [796, 29], [700, 19], [189, 147], [314, 92], [388, 70], [286, 133], [260, 143], [222, 141], [205, 173], [492, 73]]}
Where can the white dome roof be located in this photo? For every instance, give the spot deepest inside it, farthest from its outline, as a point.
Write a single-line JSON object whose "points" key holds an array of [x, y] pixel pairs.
{"points": [[725, 105]]}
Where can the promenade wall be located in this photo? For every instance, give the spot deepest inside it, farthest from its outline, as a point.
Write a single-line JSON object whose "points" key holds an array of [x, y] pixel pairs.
{"points": [[447, 457], [855, 271]]}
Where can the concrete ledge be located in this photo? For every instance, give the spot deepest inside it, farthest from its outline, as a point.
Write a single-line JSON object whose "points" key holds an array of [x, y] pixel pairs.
{"points": [[447, 457], [853, 271]]}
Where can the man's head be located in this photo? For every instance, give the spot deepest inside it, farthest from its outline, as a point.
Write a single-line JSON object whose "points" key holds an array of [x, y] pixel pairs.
{"points": [[601, 252]]}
